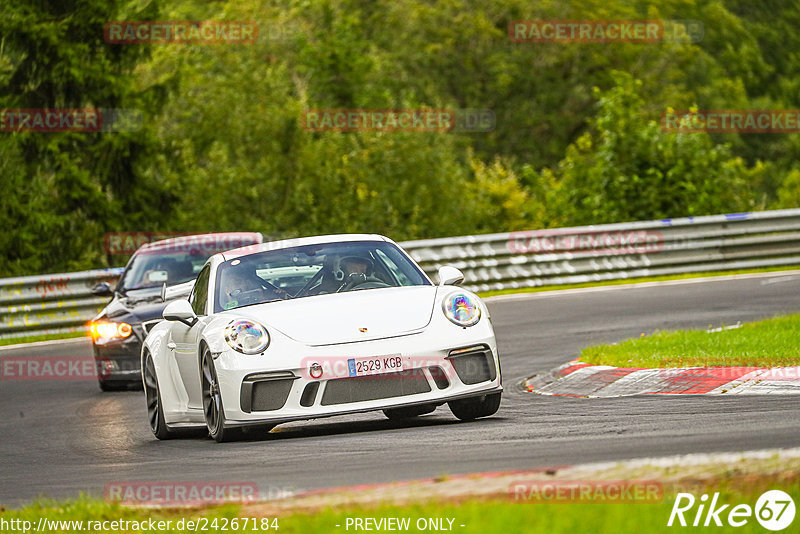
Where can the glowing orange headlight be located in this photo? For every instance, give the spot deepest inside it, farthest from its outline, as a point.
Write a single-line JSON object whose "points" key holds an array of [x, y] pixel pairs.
{"points": [[123, 329], [109, 330]]}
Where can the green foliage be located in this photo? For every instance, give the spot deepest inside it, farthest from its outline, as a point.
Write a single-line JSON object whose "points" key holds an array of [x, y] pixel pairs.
{"points": [[223, 145], [627, 168], [789, 193], [63, 191], [501, 203]]}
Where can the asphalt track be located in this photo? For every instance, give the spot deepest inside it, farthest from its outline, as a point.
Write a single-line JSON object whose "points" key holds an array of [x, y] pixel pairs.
{"points": [[60, 438]]}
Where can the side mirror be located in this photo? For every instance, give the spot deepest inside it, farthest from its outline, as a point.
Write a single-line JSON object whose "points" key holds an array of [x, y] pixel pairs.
{"points": [[103, 289], [180, 310], [450, 276]]}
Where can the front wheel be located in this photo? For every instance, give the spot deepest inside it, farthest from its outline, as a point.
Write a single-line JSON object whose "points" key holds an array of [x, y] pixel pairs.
{"points": [[155, 411], [212, 403], [474, 407]]}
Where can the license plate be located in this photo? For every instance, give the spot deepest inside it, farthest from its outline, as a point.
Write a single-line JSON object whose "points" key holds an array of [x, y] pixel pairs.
{"points": [[374, 365]]}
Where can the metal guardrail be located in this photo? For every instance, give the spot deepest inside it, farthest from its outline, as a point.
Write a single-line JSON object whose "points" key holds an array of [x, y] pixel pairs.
{"points": [[52, 303], [519, 260], [45, 304]]}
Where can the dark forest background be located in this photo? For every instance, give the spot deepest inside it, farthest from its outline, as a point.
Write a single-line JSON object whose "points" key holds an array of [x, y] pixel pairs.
{"points": [[221, 147]]}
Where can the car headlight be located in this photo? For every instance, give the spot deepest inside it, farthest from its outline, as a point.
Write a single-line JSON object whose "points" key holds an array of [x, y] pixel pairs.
{"points": [[247, 337], [461, 309], [108, 330]]}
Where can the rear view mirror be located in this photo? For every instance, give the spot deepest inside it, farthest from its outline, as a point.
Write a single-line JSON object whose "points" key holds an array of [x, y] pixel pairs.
{"points": [[450, 276], [180, 310], [103, 289], [157, 276]]}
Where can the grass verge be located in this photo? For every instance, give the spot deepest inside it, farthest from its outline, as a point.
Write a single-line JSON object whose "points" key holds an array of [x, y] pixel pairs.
{"points": [[768, 343], [500, 503], [47, 337], [495, 515], [624, 281]]}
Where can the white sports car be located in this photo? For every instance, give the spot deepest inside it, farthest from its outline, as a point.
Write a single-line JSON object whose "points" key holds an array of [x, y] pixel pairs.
{"points": [[316, 327]]}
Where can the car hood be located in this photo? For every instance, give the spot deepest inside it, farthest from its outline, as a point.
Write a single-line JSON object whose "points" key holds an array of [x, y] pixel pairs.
{"points": [[133, 309], [144, 305], [340, 318]]}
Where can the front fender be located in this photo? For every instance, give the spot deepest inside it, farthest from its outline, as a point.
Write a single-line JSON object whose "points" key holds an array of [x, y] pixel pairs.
{"points": [[156, 344], [173, 396], [214, 334]]}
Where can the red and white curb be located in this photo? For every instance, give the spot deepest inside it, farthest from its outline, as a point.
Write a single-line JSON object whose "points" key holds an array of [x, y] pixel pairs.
{"points": [[577, 379]]}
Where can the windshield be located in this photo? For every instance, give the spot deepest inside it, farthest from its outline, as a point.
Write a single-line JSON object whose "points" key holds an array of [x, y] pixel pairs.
{"points": [[153, 270], [313, 270]]}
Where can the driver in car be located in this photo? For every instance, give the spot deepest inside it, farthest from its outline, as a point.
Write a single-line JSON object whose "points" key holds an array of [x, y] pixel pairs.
{"points": [[355, 265], [359, 270], [337, 271], [242, 288]]}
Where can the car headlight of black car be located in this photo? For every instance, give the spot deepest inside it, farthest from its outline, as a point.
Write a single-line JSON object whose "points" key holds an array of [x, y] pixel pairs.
{"points": [[105, 331]]}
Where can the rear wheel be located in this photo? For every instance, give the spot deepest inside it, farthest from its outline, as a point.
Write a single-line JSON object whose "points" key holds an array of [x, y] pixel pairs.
{"points": [[212, 403], [407, 412], [155, 412], [474, 407]]}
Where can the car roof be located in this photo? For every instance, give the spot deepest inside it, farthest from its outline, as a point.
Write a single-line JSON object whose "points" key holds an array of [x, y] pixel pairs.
{"points": [[299, 242], [216, 242]]}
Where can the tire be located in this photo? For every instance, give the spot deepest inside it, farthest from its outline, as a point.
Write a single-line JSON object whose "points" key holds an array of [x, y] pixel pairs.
{"points": [[474, 407], [407, 412], [213, 409], [155, 412]]}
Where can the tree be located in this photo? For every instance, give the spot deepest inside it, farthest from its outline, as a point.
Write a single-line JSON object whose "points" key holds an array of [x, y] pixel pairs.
{"points": [[626, 168], [69, 188]]}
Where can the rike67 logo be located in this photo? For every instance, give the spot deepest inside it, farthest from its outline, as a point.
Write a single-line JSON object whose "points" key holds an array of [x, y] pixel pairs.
{"points": [[774, 510]]}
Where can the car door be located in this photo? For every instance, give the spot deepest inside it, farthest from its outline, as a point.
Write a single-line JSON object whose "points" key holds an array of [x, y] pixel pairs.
{"points": [[185, 340]]}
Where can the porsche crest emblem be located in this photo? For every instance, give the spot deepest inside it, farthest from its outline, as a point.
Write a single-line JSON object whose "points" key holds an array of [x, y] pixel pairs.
{"points": [[363, 330], [315, 370]]}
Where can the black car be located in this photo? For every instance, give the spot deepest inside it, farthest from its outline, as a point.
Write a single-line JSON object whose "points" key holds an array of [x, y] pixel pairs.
{"points": [[156, 273]]}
